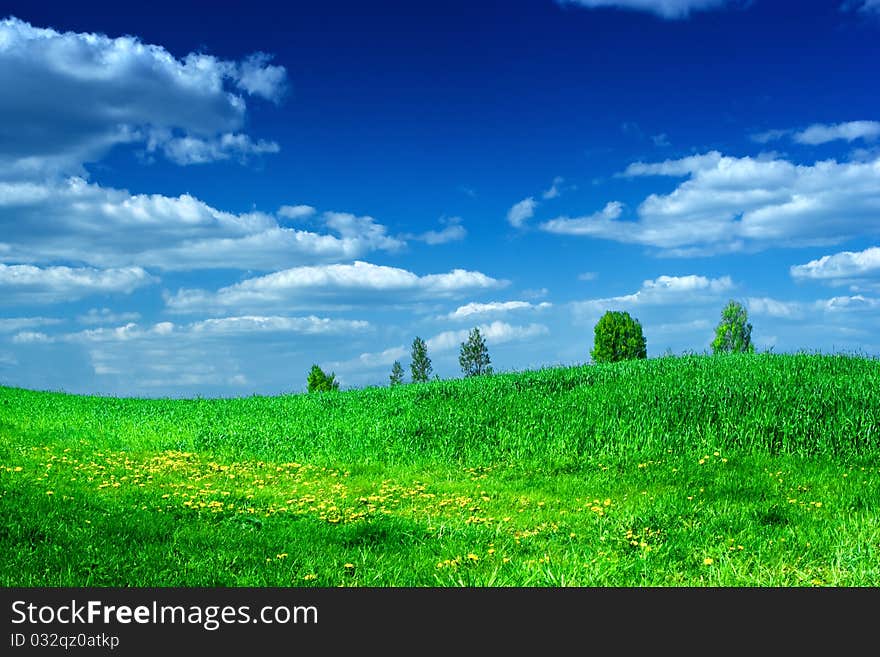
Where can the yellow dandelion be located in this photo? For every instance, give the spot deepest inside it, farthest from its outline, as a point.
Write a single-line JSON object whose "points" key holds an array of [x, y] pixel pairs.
{"points": [[491, 551], [50, 492], [473, 557], [18, 469], [283, 555], [349, 566], [310, 577], [708, 561]]}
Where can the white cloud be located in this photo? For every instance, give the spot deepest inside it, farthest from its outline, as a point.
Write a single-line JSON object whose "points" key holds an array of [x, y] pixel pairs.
{"points": [[682, 167], [78, 221], [775, 308], [820, 133], [453, 231], [29, 284], [554, 190], [862, 6], [79, 94], [356, 284], [593, 224], [472, 309], [664, 290], [521, 212], [588, 276], [223, 327], [668, 9], [256, 76], [732, 204], [194, 150], [840, 268], [494, 333], [797, 310], [769, 135], [30, 337], [370, 360], [106, 316], [296, 211], [661, 140], [12, 324], [310, 325]]}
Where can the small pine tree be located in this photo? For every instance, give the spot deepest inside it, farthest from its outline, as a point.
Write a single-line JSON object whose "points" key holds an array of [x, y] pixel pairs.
{"points": [[396, 377], [734, 332], [420, 367], [474, 355], [319, 381], [618, 337]]}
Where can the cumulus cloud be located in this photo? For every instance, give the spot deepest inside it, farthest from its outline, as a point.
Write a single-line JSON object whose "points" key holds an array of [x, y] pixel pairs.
{"points": [[730, 204], [355, 284], [555, 189], [494, 333], [217, 327], [521, 212], [78, 221], [452, 231], [863, 6], [106, 316], [29, 284], [797, 310], [194, 150], [310, 325], [820, 133], [12, 324], [844, 268], [663, 290], [296, 211], [668, 9], [257, 77], [30, 337], [769, 135], [79, 94], [661, 140], [593, 224], [473, 309]]}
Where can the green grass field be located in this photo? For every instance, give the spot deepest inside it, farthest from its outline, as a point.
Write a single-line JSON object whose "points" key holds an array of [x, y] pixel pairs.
{"points": [[749, 470]]}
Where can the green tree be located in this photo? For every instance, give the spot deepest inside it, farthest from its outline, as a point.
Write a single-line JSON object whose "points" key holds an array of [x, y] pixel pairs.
{"points": [[474, 356], [396, 373], [618, 336], [319, 381], [734, 332], [420, 367]]}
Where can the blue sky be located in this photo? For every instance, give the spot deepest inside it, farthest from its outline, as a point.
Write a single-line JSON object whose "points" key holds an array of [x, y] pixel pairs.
{"points": [[203, 201]]}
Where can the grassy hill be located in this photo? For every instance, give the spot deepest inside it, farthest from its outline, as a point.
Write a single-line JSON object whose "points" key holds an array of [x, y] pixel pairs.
{"points": [[734, 470]]}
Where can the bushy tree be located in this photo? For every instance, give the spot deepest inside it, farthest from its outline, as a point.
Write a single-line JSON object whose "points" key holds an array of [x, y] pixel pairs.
{"points": [[420, 367], [618, 337], [734, 332], [319, 381], [474, 356], [396, 377]]}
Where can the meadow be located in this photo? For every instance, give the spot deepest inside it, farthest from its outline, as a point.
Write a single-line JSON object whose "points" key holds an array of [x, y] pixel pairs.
{"points": [[733, 470]]}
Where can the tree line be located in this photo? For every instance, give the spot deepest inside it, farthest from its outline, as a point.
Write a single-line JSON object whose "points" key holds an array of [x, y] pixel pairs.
{"points": [[617, 336]]}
